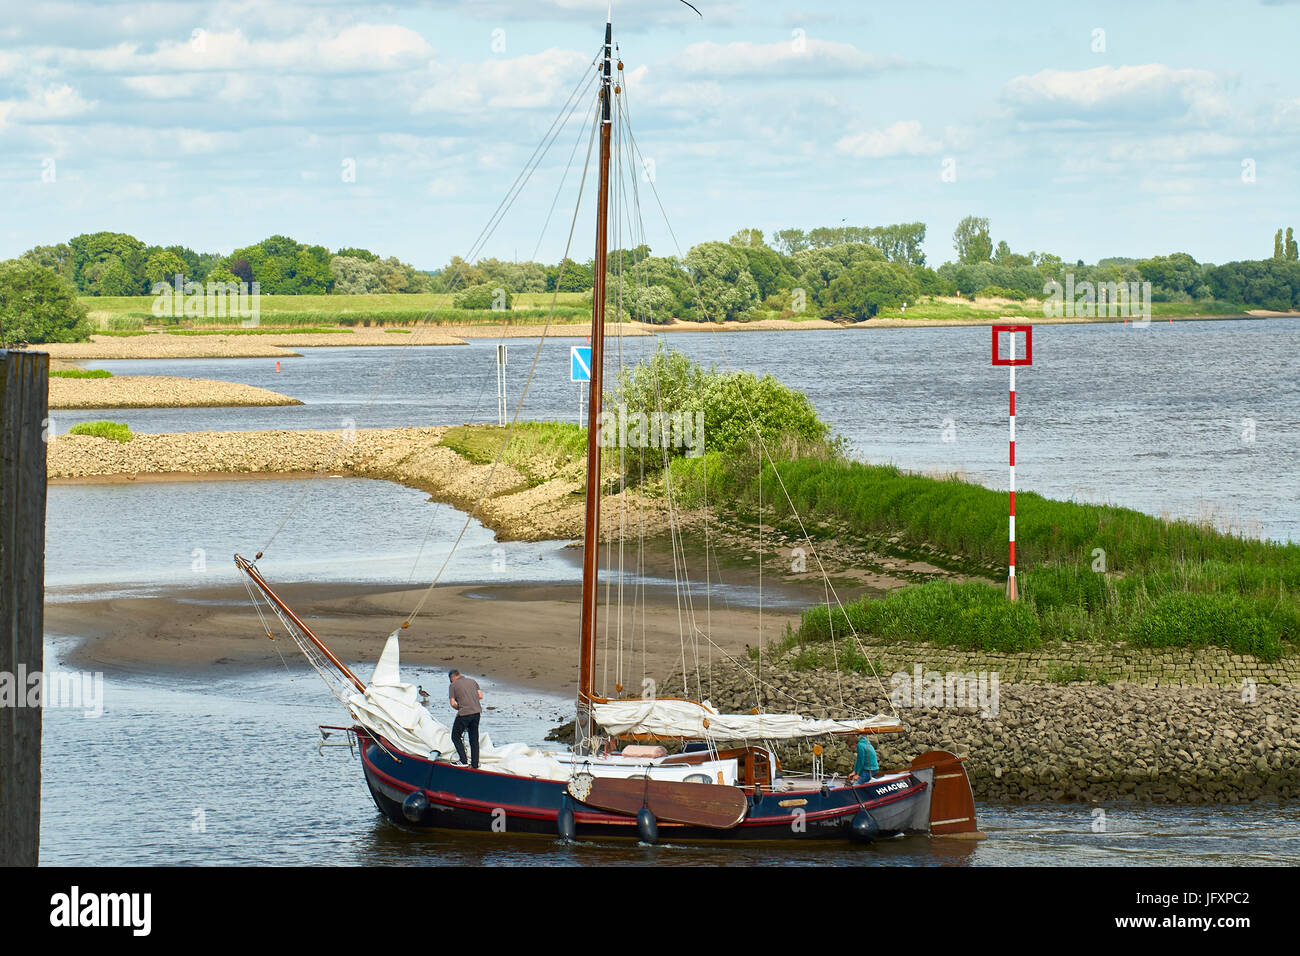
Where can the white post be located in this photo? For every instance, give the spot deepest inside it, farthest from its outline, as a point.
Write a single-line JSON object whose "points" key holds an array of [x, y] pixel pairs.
{"points": [[501, 385]]}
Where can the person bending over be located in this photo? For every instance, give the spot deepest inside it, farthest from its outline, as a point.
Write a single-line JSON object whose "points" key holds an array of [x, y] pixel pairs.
{"points": [[466, 700]]}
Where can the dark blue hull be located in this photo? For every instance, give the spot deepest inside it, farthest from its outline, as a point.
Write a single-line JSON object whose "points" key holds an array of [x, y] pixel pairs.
{"points": [[462, 798]]}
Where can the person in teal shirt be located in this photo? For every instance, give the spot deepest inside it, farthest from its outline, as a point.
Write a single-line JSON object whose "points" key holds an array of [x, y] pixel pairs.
{"points": [[866, 765]]}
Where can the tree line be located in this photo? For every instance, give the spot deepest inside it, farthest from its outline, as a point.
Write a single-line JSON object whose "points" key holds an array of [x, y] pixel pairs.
{"points": [[836, 272]]}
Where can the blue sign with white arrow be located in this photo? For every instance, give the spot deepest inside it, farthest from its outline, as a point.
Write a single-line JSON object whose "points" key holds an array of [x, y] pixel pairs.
{"points": [[580, 363]]}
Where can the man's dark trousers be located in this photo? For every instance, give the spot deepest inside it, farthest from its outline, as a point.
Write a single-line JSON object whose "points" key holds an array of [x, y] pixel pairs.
{"points": [[458, 728]]}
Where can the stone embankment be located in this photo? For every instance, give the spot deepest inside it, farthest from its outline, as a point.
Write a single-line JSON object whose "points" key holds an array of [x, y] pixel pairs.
{"points": [[1098, 743]]}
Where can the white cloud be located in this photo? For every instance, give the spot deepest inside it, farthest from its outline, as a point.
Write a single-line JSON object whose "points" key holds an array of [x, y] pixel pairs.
{"points": [[360, 48], [1176, 149], [788, 58], [903, 138], [47, 105], [539, 80], [1150, 91]]}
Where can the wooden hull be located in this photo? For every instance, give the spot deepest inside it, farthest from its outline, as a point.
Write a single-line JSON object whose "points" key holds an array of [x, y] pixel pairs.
{"points": [[462, 798]]}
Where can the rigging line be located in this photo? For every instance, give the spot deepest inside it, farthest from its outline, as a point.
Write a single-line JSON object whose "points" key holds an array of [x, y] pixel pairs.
{"points": [[502, 339], [527, 382], [678, 546], [507, 201], [619, 214], [569, 165], [749, 413], [680, 567], [261, 617]]}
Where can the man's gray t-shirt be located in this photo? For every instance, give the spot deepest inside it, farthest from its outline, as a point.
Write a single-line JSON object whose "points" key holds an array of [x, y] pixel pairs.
{"points": [[464, 690]]}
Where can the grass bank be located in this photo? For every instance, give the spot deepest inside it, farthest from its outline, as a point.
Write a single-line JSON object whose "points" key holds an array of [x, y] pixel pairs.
{"points": [[1089, 573]]}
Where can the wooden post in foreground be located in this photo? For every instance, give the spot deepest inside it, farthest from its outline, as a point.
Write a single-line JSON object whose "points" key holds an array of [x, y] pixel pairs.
{"points": [[24, 403]]}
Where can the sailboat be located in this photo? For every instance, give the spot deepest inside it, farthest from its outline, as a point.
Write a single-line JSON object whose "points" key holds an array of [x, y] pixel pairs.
{"points": [[618, 779]]}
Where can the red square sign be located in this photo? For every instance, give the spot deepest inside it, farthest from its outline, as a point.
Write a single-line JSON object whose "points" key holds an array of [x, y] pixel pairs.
{"points": [[1028, 357]]}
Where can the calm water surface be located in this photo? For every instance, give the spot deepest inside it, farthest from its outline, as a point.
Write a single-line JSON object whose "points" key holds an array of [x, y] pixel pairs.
{"points": [[227, 771]]}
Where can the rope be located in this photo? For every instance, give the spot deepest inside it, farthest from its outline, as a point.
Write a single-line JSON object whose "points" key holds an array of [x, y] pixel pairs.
{"points": [[763, 445], [537, 354], [498, 214]]}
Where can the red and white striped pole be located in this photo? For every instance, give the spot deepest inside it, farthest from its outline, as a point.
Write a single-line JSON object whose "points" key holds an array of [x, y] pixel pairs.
{"points": [[1012, 362], [1011, 574]]}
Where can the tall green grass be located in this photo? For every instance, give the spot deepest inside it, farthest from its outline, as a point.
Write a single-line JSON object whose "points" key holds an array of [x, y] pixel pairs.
{"points": [[538, 449], [116, 431], [81, 373], [1085, 572]]}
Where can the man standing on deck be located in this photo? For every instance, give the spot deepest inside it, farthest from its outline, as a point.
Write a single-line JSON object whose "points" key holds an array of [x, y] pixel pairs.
{"points": [[465, 697]]}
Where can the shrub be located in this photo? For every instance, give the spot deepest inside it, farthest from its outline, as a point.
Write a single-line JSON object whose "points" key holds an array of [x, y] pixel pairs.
{"points": [[38, 306], [733, 404], [484, 296]]}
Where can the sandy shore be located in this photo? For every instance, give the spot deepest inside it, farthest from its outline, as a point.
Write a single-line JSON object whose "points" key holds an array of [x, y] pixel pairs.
{"points": [[165, 346], [522, 635], [158, 391], [513, 507]]}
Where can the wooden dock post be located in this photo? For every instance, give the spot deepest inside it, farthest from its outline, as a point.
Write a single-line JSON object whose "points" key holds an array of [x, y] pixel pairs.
{"points": [[24, 410]]}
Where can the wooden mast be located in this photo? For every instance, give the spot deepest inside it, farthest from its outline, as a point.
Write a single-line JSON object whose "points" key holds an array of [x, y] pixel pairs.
{"points": [[591, 535]]}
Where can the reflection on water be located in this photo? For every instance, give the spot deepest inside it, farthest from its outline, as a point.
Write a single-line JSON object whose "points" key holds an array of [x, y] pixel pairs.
{"points": [[138, 538], [343, 529]]}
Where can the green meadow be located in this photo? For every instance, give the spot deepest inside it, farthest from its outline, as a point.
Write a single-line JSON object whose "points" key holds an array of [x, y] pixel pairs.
{"points": [[133, 313]]}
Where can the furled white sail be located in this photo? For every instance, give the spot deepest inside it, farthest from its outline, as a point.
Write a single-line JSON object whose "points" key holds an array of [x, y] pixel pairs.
{"points": [[392, 710], [686, 718]]}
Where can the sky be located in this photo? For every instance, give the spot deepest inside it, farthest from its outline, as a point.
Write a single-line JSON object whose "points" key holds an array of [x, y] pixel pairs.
{"points": [[1084, 130]]}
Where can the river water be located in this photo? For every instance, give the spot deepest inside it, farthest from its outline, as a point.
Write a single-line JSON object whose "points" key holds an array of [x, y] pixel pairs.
{"points": [[212, 767], [184, 770], [1196, 419]]}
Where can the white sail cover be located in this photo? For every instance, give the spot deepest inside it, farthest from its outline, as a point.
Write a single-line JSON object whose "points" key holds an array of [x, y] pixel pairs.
{"points": [[686, 718], [392, 710]]}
